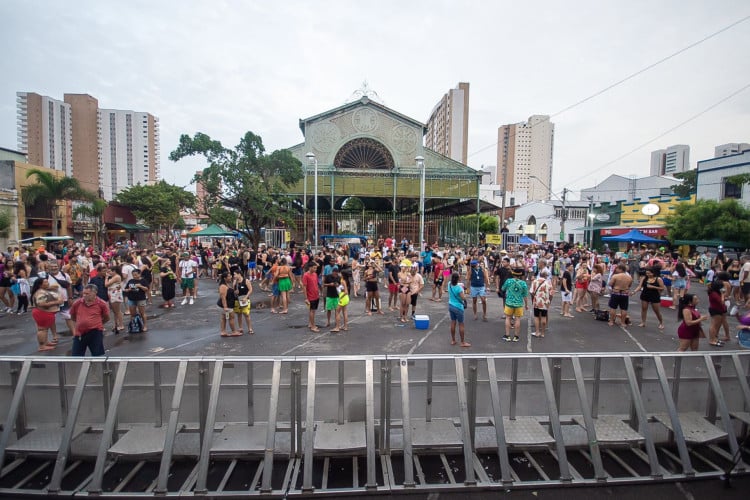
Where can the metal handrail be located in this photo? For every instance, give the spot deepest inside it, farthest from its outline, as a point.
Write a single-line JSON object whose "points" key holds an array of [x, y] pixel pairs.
{"points": [[443, 407]]}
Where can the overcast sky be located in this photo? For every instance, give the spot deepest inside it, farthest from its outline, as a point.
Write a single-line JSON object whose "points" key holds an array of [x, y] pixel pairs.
{"points": [[226, 67]]}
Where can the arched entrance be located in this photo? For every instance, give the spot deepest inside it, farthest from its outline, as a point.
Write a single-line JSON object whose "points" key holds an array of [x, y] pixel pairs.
{"points": [[364, 153]]}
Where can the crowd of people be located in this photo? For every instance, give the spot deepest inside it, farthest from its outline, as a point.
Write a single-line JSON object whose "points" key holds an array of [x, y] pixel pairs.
{"points": [[88, 289]]}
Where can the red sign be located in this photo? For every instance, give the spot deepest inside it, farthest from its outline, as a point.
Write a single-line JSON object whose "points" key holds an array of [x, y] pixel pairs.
{"points": [[648, 231]]}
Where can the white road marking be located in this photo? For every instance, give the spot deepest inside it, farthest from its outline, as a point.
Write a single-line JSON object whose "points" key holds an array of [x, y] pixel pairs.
{"points": [[429, 332], [633, 338], [528, 331]]}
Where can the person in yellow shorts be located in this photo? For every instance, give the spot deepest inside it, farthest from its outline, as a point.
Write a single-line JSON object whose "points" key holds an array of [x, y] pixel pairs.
{"points": [[516, 302]]}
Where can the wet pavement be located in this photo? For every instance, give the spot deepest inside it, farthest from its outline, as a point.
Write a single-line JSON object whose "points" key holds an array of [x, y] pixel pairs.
{"points": [[194, 331]]}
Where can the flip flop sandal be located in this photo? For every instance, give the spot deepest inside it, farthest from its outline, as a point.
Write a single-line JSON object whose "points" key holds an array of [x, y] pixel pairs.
{"points": [[224, 334]]}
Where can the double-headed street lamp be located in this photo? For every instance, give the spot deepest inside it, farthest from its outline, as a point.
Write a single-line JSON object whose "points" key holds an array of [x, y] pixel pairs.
{"points": [[311, 159]]}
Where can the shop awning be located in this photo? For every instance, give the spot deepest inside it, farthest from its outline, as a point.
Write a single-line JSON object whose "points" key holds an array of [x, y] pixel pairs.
{"points": [[131, 227]]}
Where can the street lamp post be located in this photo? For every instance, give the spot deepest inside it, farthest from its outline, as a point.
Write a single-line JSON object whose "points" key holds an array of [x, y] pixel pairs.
{"points": [[420, 164], [311, 158], [304, 201], [564, 212]]}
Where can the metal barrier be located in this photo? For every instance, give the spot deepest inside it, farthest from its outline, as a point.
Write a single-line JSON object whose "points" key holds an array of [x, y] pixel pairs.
{"points": [[349, 425]]}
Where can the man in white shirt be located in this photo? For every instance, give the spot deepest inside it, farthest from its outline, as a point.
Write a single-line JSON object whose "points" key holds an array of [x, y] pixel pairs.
{"points": [[188, 269]]}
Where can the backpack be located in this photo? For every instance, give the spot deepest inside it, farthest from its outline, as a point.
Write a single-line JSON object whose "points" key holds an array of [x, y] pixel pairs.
{"points": [[136, 324], [601, 315]]}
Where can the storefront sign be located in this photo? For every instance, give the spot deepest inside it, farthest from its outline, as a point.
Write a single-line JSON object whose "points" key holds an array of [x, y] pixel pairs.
{"points": [[648, 231]]}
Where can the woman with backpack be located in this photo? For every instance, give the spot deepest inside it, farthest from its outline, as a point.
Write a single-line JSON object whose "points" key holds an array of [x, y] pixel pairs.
{"points": [[136, 292]]}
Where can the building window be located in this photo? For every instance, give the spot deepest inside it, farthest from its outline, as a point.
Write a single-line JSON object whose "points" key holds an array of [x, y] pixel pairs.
{"points": [[731, 190]]}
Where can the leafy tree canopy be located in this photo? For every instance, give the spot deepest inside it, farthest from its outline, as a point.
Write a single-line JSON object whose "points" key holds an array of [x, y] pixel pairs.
{"points": [[487, 223], [159, 204], [726, 220], [245, 180], [688, 185]]}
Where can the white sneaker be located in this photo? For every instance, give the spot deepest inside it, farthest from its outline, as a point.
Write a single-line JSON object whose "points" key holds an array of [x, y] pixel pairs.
{"points": [[733, 311], [191, 301], [184, 301]]}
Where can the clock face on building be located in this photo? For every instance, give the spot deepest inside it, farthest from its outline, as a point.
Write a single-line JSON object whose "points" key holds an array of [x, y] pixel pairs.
{"points": [[650, 209]]}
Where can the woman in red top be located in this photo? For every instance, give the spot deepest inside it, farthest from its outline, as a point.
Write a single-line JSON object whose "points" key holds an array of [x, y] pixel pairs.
{"points": [[718, 311], [690, 330]]}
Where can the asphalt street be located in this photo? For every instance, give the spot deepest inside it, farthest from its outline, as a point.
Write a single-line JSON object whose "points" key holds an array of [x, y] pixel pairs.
{"points": [[194, 331]]}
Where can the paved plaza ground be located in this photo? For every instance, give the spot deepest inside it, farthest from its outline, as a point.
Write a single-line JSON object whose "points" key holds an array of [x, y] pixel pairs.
{"points": [[194, 331]]}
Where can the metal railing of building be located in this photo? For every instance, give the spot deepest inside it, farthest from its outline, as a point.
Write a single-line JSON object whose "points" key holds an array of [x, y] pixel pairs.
{"points": [[288, 426]]}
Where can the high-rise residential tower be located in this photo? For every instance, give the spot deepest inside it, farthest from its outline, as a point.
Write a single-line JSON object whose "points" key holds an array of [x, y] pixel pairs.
{"points": [[524, 157], [129, 150], [45, 131], [83, 109], [448, 125], [670, 161], [107, 150]]}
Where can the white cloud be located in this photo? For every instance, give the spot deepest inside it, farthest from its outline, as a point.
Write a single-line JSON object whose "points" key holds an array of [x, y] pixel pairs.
{"points": [[227, 67]]}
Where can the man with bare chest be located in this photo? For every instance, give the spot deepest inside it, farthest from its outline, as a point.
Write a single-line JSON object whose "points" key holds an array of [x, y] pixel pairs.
{"points": [[620, 283]]}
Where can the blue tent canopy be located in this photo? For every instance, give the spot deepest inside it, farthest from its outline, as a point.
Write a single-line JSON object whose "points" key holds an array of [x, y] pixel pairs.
{"points": [[633, 235], [525, 240]]}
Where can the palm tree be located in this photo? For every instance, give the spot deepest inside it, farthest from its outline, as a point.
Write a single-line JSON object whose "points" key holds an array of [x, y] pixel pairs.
{"points": [[49, 190], [94, 211]]}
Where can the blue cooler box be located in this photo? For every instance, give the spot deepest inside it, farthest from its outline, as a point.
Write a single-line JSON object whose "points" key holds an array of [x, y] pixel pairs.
{"points": [[422, 321]]}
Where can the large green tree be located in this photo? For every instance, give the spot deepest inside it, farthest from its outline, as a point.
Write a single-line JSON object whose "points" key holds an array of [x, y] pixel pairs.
{"points": [[244, 179], [726, 220], [49, 190], [158, 205], [688, 185]]}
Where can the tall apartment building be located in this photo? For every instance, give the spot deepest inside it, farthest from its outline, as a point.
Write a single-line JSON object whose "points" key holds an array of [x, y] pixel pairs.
{"points": [[732, 148], [448, 125], [45, 131], [670, 161], [524, 157], [107, 150], [128, 149], [85, 139]]}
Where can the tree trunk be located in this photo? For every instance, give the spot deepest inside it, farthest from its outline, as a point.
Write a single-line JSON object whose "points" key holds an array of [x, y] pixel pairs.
{"points": [[55, 218]]}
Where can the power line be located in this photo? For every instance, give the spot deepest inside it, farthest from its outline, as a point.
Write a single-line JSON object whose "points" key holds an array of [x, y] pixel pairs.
{"points": [[668, 131], [631, 76]]}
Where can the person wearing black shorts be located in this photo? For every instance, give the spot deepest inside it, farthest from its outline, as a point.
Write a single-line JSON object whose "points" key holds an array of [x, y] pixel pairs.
{"points": [[620, 283], [371, 289], [651, 287]]}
